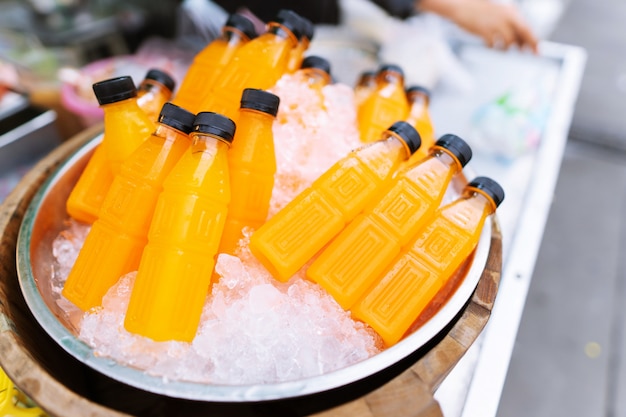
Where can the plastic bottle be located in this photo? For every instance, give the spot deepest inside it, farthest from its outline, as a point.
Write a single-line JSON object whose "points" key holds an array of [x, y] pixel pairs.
{"points": [[209, 63], [125, 127], [154, 91], [385, 105], [365, 85], [116, 240], [175, 271], [296, 233], [297, 54], [258, 64], [251, 166], [350, 264], [399, 295], [419, 118]]}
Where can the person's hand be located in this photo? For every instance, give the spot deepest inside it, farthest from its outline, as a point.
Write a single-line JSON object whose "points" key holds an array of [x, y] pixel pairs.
{"points": [[500, 25]]}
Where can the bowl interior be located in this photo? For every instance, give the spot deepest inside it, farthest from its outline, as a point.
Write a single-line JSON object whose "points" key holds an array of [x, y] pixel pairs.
{"points": [[44, 220]]}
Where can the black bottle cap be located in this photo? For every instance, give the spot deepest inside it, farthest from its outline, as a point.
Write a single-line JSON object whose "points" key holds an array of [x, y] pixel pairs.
{"points": [[177, 117], [457, 146], [260, 100], [214, 124], [243, 24], [314, 61], [418, 89], [290, 20], [162, 77], [489, 187], [114, 90], [308, 28], [391, 68], [408, 134]]}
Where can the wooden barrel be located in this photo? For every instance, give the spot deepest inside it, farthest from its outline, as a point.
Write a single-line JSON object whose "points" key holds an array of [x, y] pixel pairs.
{"points": [[63, 386]]}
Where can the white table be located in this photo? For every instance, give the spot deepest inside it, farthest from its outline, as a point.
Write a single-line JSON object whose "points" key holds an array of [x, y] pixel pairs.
{"points": [[474, 387]]}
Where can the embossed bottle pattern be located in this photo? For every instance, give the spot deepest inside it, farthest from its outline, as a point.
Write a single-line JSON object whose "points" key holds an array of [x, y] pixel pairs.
{"points": [[297, 232], [116, 240], [175, 271], [350, 264], [402, 293]]}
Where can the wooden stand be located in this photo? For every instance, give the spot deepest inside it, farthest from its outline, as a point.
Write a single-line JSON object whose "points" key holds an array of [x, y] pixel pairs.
{"points": [[63, 386]]}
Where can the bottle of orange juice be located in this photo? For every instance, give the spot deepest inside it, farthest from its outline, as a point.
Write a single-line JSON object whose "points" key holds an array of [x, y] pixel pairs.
{"points": [[116, 240], [297, 232], [400, 295], [258, 64], [209, 63], [385, 105], [175, 271], [154, 91], [251, 166], [419, 117], [125, 127], [348, 266], [297, 54], [365, 85]]}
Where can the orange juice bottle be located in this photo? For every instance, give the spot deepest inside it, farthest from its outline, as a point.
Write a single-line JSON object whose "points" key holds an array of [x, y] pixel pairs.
{"points": [[297, 232], [116, 240], [251, 166], [386, 104], [154, 91], [348, 266], [125, 127], [409, 284], [258, 64], [419, 117], [175, 271], [365, 85], [297, 54], [209, 63]]}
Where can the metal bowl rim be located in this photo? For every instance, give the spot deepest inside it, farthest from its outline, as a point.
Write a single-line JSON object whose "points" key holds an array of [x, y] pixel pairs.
{"points": [[223, 392]]}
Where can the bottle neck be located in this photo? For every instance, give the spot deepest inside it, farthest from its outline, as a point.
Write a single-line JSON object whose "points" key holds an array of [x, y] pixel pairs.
{"points": [[396, 141], [257, 115], [234, 36], [418, 101], [480, 198], [390, 77], [203, 142], [149, 86], [316, 76], [169, 132], [129, 104], [447, 157], [276, 29]]}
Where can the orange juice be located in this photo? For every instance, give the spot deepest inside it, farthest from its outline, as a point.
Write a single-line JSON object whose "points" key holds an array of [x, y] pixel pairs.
{"points": [[297, 54], [125, 127], [154, 91], [419, 118], [348, 266], [116, 240], [258, 64], [296, 233], [409, 284], [175, 271], [251, 166], [209, 63], [385, 105], [365, 85]]}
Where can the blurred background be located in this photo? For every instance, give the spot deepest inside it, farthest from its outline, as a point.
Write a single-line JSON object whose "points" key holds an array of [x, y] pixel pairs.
{"points": [[561, 332]]}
